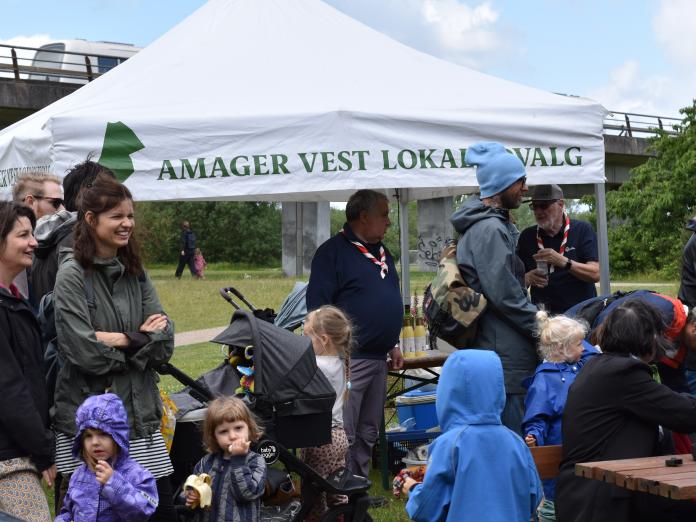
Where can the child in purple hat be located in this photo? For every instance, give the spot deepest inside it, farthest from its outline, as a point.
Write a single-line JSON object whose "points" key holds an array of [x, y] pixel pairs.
{"points": [[109, 485]]}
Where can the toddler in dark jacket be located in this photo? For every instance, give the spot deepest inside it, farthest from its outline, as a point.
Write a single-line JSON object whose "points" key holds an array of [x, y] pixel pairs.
{"points": [[237, 474]]}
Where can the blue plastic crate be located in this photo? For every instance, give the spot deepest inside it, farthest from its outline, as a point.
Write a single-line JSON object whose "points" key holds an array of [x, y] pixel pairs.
{"points": [[424, 414]]}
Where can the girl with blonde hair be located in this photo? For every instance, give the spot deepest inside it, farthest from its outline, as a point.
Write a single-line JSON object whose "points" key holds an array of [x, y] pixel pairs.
{"points": [[332, 339], [564, 351]]}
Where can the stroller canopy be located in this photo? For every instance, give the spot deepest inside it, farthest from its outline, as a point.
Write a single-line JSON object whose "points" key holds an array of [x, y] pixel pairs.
{"points": [[286, 373]]}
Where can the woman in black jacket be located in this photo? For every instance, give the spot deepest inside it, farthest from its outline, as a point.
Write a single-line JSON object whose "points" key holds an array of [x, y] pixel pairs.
{"points": [[614, 410], [25, 437]]}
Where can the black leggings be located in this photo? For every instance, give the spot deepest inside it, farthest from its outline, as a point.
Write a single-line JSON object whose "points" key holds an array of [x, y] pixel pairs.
{"points": [[165, 510]]}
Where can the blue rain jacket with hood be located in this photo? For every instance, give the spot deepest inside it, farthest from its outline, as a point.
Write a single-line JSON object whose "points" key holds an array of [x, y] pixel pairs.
{"points": [[477, 469], [131, 492]]}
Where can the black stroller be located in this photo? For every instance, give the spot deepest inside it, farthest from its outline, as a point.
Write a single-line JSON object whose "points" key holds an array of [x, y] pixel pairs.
{"points": [[293, 401]]}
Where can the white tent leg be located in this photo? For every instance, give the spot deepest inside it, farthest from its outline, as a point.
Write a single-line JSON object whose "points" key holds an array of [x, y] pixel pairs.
{"points": [[603, 240], [403, 238]]}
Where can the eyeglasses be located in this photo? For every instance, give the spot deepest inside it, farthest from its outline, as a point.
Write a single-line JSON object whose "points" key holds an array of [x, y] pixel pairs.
{"points": [[56, 202], [542, 205]]}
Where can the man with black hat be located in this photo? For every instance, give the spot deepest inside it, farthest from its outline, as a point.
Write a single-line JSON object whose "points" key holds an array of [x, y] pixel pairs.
{"points": [[559, 253], [488, 263]]}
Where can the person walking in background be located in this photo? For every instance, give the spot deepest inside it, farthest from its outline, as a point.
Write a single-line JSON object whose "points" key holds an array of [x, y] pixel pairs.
{"points": [[187, 251], [564, 248], [200, 263], [26, 439], [109, 485], [112, 332], [488, 263], [355, 272]]}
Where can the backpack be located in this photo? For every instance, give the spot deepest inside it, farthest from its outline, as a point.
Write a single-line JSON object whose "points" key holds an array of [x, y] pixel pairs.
{"points": [[450, 306], [46, 316], [590, 309]]}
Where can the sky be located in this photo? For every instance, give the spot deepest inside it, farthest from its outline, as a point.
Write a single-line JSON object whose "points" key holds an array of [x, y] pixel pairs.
{"points": [[634, 56]]}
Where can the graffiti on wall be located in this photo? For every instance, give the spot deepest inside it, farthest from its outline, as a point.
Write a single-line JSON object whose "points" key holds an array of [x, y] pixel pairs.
{"points": [[430, 248]]}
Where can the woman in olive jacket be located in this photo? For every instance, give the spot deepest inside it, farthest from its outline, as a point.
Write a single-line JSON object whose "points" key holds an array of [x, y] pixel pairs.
{"points": [[26, 440], [112, 331], [614, 411]]}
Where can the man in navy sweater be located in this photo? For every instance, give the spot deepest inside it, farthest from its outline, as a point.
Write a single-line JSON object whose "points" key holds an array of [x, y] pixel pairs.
{"points": [[355, 272]]}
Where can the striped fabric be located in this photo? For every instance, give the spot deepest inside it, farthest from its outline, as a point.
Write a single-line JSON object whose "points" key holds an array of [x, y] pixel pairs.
{"points": [[150, 453]]}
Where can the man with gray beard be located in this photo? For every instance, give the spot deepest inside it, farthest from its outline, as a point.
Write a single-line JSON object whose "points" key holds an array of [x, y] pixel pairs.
{"points": [[559, 253]]}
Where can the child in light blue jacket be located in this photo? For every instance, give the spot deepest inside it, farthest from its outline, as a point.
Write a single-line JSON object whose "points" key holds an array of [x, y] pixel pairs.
{"points": [[477, 469]]}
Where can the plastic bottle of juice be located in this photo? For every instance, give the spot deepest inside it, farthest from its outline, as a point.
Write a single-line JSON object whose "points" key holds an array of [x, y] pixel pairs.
{"points": [[419, 338], [408, 348]]}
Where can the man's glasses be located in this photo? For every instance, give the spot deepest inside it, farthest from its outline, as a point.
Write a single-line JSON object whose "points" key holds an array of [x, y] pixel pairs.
{"points": [[56, 202], [542, 205]]}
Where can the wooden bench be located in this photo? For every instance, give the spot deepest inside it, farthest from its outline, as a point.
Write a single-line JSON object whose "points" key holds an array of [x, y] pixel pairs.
{"points": [[547, 460]]}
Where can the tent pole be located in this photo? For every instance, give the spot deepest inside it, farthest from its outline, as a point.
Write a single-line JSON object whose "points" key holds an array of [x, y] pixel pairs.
{"points": [[603, 246], [299, 247], [403, 237]]}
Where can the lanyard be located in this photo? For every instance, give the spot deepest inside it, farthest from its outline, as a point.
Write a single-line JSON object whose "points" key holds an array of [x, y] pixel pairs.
{"points": [[382, 263]]}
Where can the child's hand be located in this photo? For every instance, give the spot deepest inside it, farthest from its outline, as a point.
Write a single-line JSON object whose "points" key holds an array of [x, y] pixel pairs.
{"points": [[406, 488], [193, 499], [530, 440], [103, 471], [238, 447]]}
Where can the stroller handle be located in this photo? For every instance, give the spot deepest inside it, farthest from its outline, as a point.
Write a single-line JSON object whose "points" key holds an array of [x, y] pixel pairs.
{"points": [[198, 390], [225, 293]]}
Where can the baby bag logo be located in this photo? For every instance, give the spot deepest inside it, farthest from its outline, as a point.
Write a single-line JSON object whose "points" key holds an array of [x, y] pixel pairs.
{"points": [[119, 143]]}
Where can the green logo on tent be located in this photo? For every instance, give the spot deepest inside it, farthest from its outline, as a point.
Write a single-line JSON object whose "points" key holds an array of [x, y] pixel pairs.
{"points": [[119, 143]]}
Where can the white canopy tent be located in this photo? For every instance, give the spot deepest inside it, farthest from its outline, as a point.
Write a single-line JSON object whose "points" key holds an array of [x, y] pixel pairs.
{"points": [[282, 100]]}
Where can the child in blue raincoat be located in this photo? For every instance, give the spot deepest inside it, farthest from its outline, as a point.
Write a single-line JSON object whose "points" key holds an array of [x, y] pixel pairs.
{"points": [[564, 352], [477, 469]]}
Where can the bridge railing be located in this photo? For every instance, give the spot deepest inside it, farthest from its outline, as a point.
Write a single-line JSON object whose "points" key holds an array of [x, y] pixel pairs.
{"points": [[634, 125], [55, 65]]}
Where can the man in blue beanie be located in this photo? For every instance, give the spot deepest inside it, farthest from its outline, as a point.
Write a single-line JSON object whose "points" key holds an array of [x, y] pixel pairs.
{"points": [[488, 263]]}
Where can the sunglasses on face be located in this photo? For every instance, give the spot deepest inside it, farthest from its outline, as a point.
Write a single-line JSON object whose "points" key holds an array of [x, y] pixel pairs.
{"points": [[542, 205], [56, 202]]}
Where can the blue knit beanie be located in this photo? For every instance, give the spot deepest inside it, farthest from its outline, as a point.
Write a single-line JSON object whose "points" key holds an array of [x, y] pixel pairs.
{"points": [[496, 168]]}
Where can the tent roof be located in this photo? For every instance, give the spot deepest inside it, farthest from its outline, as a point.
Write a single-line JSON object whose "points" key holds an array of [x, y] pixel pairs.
{"points": [[301, 89]]}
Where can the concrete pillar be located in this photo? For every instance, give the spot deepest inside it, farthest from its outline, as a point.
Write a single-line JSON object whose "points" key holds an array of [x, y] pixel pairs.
{"points": [[305, 227], [434, 229]]}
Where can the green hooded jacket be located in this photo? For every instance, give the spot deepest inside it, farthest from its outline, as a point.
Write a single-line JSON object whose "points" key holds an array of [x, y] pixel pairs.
{"points": [[122, 302]]}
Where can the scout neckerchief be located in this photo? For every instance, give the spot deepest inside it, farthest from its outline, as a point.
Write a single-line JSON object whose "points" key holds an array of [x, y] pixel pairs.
{"points": [[382, 263], [561, 250]]}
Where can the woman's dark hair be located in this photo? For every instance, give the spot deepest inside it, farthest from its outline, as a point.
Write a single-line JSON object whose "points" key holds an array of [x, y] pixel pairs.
{"points": [[78, 177], [10, 212], [634, 327], [103, 194]]}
